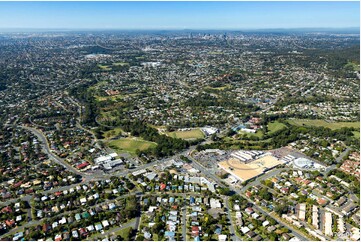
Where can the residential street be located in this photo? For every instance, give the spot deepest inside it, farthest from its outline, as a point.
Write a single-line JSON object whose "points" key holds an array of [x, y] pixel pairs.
{"points": [[241, 193]]}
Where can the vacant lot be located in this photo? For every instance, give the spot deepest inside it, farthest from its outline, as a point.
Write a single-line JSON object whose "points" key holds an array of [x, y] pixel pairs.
{"points": [[188, 134], [130, 145], [323, 123]]}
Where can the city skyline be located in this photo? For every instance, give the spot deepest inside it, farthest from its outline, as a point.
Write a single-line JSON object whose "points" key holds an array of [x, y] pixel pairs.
{"points": [[178, 15]]}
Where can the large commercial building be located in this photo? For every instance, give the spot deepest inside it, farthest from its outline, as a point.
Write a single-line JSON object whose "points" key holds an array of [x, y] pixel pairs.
{"points": [[245, 170]]}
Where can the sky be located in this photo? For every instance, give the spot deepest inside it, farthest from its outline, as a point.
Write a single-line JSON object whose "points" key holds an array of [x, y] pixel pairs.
{"points": [[179, 15]]}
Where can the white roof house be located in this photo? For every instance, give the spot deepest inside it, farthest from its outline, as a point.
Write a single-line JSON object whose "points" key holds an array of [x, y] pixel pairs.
{"points": [[215, 203], [222, 237], [245, 230], [90, 228], [105, 223]]}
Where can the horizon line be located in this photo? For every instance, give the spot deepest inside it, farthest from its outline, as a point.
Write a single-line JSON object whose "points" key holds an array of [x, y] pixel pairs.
{"points": [[177, 29]]}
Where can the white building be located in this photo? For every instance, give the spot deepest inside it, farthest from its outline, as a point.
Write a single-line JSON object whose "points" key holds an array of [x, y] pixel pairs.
{"points": [[328, 224], [315, 216], [215, 203]]}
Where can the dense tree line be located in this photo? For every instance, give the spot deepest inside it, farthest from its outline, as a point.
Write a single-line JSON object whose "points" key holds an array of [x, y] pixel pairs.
{"points": [[82, 93]]}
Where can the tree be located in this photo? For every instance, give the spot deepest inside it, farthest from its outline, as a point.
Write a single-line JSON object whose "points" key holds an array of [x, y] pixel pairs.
{"points": [[128, 234], [268, 183], [265, 194], [225, 191]]}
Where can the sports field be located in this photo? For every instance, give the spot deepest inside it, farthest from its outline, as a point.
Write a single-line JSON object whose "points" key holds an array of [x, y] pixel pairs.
{"points": [[130, 145], [323, 123], [188, 134]]}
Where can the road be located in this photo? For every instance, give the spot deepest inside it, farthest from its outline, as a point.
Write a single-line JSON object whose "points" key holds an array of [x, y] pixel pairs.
{"points": [[134, 224], [184, 223], [231, 228], [39, 222], [46, 148], [78, 125], [338, 160], [88, 177], [238, 191]]}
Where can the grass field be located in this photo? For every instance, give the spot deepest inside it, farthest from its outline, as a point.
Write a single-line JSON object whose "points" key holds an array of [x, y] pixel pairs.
{"points": [[258, 134], [109, 67], [275, 126], [123, 232], [189, 134], [121, 64], [356, 134], [113, 98], [130, 145], [318, 122], [104, 67]]}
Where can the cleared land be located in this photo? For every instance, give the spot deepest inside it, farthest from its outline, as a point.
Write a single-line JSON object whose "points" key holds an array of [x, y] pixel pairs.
{"points": [[130, 145], [252, 169], [274, 127], [187, 134], [323, 123]]}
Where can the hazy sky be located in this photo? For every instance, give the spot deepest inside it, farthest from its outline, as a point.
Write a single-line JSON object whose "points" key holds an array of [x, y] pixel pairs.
{"points": [[179, 15]]}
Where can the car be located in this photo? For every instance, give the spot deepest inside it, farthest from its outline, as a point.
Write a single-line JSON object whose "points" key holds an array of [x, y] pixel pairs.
{"points": [[102, 231]]}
